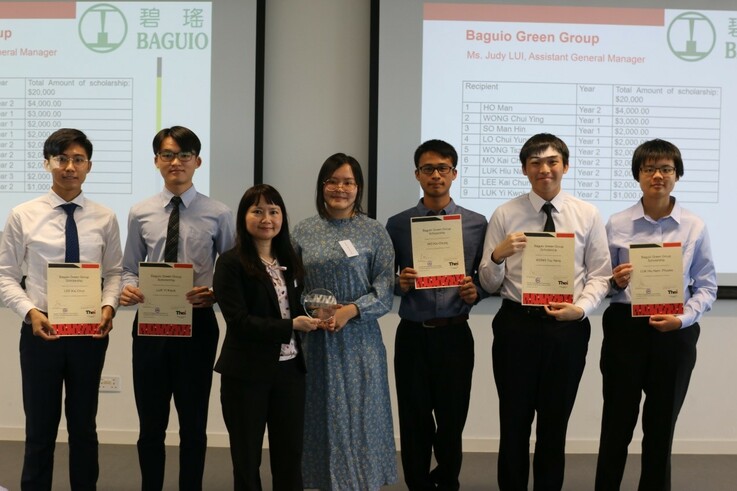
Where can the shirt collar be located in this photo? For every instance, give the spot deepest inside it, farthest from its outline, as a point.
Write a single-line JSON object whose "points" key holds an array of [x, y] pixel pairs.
{"points": [[638, 212], [450, 208], [538, 202], [187, 197], [57, 200]]}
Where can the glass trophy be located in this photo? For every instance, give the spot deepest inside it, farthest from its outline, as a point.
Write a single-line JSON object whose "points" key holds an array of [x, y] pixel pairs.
{"points": [[320, 304]]}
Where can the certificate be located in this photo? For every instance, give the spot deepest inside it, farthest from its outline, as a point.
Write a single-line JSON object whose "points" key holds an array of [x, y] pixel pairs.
{"points": [[548, 268], [437, 251], [166, 311], [74, 295], [656, 286]]}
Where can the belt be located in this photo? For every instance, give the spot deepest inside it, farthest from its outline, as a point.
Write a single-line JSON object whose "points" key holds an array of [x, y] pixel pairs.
{"points": [[529, 310], [444, 321]]}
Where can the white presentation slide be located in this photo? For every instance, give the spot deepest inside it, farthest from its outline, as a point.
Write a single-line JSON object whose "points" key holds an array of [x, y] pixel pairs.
{"points": [[602, 79], [119, 71]]}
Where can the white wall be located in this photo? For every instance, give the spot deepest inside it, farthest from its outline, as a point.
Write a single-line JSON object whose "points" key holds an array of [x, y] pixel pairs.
{"points": [[317, 104], [316, 93], [707, 423]]}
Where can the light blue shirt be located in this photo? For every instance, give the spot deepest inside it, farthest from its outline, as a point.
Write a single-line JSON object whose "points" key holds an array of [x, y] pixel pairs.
{"points": [[632, 226], [206, 229]]}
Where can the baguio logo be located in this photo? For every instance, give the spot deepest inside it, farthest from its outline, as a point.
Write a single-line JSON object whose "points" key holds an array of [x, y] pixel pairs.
{"points": [[103, 28], [691, 36]]}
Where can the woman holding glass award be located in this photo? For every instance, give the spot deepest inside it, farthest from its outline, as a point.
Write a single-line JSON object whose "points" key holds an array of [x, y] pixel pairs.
{"points": [[349, 438], [258, 285]]}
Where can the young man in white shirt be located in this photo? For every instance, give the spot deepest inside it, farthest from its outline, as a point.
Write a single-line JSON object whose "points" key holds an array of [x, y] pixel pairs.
{"points": [[36, 234], [539, 353]]}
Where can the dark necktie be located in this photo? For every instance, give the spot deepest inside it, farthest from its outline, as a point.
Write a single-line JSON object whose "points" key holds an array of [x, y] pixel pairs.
{"points": [[172, 232], [549, 223], [71, 252]]}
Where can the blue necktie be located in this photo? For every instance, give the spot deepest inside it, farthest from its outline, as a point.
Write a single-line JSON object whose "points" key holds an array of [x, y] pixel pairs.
{"points": [[71, 254]]}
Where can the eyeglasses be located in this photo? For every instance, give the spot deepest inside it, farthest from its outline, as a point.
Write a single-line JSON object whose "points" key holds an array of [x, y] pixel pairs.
{"points": [[169, 156], [334, 184], [666, 170], [63, 160], [429, 170]]}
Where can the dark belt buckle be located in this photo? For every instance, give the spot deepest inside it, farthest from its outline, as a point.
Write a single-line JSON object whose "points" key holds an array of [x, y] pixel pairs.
{"points": [[429, 324]]}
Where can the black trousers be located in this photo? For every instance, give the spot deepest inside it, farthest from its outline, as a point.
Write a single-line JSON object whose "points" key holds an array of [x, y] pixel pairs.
{"points": [[248, 407], [538, 363], [433, 369], [637, 358], [74, 363], [180, 367]]}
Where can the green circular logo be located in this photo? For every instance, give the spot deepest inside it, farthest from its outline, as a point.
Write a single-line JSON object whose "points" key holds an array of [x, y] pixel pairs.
{"points": [[102, 28], [691, 36]]}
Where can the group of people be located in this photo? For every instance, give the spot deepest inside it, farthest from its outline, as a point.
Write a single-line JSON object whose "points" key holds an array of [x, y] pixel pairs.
{"points": [[320, 385]]}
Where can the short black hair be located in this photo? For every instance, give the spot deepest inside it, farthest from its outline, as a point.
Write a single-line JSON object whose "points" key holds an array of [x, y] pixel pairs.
{"points": [[537, 144], [185, 138], [656, 149], [333, 163], [60, 140], [442, 148]]}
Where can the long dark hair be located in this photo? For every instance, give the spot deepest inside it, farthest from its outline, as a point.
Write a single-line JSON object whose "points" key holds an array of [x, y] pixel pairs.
{"points": [[281, 243]]}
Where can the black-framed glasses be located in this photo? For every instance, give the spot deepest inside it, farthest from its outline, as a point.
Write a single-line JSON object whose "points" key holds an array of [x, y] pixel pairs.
{"points": [[169, 156], [666, 170], [429, 170], [63, 160], [334, 184]]}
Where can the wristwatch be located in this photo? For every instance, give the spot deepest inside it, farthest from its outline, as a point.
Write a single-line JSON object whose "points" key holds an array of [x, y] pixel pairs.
{"points": [[614, 285]]}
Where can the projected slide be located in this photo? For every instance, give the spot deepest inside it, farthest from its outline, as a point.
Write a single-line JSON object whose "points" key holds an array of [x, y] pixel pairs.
{"points": [[604, 80], [119, 71]]}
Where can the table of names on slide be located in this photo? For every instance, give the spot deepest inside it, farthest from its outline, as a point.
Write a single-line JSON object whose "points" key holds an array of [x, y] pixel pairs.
{"points": [[601, 124], [31, 108]]}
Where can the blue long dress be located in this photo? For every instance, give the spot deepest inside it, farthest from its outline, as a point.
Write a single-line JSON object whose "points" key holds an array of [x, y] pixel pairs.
{"points": [[349, 437]]}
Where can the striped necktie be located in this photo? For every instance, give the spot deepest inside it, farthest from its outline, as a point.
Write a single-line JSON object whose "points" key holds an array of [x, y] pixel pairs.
{"points": [[172, 232]]}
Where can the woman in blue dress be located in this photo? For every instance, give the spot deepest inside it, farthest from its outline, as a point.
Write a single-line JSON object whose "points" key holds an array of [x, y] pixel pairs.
{"points": [[349, 437]]}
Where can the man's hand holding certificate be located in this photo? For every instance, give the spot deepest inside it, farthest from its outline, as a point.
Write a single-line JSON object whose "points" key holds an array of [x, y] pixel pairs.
{"points": [[656, 287], [548, 268], [166, 311], [74, 294], [437, 251]]}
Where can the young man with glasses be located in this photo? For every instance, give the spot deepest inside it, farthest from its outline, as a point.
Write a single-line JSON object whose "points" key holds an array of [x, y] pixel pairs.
{"points": [[539, 353], [60, 226], [434, 349], [183, 226], [652, 354]]}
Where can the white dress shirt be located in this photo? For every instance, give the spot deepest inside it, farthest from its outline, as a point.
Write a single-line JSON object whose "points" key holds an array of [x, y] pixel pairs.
{"points": [[34, 236], [523, 214], [206, 229]]}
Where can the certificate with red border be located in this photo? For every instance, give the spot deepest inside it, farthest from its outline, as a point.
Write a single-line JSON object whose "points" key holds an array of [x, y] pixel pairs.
{"points": [[165, 311], [437, 251], [548, 268], [74, 296], [656, 286]]}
